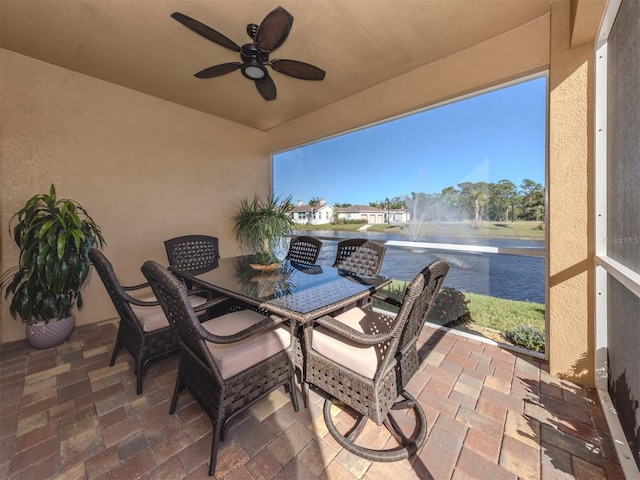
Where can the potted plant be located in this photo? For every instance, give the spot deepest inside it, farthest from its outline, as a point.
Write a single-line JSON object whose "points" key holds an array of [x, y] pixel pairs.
{"points": [[261, 227], [54, 237]]}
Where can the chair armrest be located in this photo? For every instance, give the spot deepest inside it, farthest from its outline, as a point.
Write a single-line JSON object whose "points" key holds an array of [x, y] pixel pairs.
{"points": [[137, 301], [210, 303], [387, 299], [265, 324], [213, 299], [202, 292], [343, 330], [154, 303], [141, 303], [135, 287]]}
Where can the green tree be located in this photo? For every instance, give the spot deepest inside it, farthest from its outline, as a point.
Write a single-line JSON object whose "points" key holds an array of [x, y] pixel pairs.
{"points": [[474, 197], [532, 200], [450, 204], [396, 203], [501, 195]]}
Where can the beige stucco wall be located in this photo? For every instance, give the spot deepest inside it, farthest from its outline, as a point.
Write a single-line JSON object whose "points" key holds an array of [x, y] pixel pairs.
{"points": [[571, 204], [144, 168]]}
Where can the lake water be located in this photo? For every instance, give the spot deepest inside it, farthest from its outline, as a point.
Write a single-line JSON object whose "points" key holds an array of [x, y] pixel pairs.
{"points": [[512, 277]]}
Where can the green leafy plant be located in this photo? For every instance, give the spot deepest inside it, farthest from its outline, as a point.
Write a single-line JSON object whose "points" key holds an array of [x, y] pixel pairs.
{"points": [[450, 306], [261, 226], [54, 236], [526, 336]]}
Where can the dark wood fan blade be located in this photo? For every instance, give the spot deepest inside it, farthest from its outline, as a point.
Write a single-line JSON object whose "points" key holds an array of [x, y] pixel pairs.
{"points": [[207, 32], [297, 69], [274, 29], [267, 88], [218, 70]]}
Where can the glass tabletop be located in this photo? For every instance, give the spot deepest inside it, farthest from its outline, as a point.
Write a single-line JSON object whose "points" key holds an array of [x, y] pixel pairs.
{"points": [[296, 290]]}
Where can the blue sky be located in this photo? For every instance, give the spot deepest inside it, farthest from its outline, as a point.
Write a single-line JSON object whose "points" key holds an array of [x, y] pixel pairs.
{"points": [[485, 138]]}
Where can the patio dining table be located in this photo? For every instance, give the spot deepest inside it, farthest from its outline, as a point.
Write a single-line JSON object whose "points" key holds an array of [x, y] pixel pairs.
{"points": [[299, 293]]}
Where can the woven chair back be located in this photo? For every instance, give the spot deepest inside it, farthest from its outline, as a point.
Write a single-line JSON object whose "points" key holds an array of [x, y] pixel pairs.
{"points": [[172, 295], [416, 304], [359, 255], [418, 300], [193, 252], [304, 250]]}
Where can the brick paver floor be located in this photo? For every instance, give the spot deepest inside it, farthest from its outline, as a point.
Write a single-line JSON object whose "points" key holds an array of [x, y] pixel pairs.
{"points": [[492, 414]]}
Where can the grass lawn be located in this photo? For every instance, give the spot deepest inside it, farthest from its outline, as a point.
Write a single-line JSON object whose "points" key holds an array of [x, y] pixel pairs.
{"points": [[503, 315], [492, 312]]}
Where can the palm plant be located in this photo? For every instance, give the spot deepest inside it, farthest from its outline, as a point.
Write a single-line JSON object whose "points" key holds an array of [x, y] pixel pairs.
{"points": [[261, 226], [54, 236]]}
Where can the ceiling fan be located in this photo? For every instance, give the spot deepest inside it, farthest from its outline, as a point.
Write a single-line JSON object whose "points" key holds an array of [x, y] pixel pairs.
{"points": [[265, 38]]}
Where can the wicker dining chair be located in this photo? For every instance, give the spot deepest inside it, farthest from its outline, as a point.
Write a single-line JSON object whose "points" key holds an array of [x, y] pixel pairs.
{"points": [[359, 255], [304, 250], [193, 252], [143, 329], [197, 254], [227, 363], [365, 359]]}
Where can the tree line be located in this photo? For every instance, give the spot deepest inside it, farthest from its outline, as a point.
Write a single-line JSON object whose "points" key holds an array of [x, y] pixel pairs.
{"points": [[499, 202]]}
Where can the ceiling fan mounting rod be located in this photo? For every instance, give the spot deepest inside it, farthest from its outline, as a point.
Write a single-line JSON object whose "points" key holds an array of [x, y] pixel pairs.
{"points": [[252, 29]]}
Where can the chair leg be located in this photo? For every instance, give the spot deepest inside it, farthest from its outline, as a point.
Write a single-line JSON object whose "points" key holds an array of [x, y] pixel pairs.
{"points": [[214, 447], [410, 444], [139, 373], [293, 394], [305, 394], [116, 349], [176, 392]]}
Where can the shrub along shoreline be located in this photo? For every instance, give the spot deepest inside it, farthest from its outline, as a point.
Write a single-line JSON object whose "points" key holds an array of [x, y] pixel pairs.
{"points": [[515, 322]]}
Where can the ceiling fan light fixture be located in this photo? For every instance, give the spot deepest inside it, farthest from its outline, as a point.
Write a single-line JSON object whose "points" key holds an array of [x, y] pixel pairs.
{"points": [[254, 71]]}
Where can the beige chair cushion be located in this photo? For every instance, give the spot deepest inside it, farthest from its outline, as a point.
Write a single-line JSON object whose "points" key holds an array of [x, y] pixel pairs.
{"points": [[152, 318], [235, 357], [359, 358]]}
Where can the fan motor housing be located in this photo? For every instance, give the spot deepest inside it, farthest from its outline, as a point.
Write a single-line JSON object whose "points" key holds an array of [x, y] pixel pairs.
{"points": [[251, 51]]}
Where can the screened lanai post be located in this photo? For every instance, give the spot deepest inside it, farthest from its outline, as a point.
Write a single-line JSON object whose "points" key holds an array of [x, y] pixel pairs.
{"points": [[617, 223]]}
